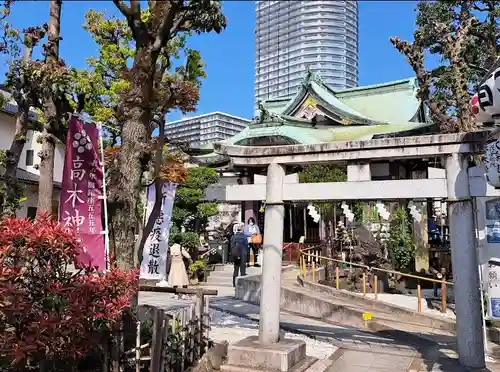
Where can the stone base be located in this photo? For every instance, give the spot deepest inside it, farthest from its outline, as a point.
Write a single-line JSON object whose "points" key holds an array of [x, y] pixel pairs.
{"points": [[249, 355], [308, 364]]}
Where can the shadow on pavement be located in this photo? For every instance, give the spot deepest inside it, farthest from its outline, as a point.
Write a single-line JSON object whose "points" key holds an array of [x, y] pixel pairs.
{"points": [[431, 355]]}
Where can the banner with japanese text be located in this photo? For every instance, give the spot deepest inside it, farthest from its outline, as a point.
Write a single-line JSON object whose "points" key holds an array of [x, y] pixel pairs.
{"points": [[154, 255], [80, 203]]}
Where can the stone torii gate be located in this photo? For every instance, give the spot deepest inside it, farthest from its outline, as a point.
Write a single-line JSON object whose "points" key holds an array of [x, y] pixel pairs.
{"points": [[457, 186]]}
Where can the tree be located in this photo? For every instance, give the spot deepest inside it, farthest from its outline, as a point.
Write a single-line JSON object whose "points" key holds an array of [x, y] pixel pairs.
{"points": [[190, 211], [55, 87], [131, 97], [464, 34], [167, 20], [32, 83], [325, 173], [402, 246], [26, 95]]}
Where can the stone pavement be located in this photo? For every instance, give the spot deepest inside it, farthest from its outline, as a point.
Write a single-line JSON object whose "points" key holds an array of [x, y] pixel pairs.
{"points": [[348, 359], [361, 351]]}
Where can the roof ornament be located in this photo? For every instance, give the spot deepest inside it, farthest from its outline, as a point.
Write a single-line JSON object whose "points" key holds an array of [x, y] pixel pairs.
{"points": [[316, 77], [307, 77], [312, 76], [266, 116]]}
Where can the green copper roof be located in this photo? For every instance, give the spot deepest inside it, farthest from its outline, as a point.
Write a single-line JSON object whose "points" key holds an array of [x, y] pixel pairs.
{"points": [[372, 102], [304, 135], [332, 116], [378, 101]]}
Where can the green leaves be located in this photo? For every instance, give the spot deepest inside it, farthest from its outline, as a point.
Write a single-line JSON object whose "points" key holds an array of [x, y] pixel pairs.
{"points": [[201, 177], [401, 239], [190, 209], [322, 173], [206, 210]]}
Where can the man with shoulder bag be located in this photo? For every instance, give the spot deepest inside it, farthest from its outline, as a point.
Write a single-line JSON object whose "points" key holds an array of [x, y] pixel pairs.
{"points": [[239, 252]]}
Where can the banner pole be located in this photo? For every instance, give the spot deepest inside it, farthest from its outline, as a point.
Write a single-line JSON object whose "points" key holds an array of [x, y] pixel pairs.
{"points": [[104, 198]]}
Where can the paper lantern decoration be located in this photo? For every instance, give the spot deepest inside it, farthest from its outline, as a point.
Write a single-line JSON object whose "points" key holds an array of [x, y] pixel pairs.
{"points": [[481, 116], [489, 95]]}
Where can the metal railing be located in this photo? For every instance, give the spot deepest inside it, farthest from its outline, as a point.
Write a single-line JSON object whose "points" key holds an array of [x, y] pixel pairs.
{"points": [[310, 262]]}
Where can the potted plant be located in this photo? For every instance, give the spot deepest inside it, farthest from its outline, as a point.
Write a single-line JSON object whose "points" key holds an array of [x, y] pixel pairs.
{"points": [[197, 271]]}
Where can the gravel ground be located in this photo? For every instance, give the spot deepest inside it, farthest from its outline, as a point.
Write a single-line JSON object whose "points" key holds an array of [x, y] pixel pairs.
{"points": [[232, 328]]}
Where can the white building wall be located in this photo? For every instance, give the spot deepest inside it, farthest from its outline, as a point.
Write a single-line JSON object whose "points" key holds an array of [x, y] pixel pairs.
{"points": [[7, 131], [31, 201], [32, 143], [205, 129]]}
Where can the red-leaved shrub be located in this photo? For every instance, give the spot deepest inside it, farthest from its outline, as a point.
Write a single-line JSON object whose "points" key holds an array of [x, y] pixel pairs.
{"points": [[49, 310]]}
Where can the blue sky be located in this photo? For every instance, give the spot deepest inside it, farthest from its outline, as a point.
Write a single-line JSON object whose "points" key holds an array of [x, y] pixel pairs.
{"points": [[229, 56]]}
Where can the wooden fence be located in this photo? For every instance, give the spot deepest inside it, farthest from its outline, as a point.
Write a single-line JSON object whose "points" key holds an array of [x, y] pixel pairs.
{"points": [[168, 341]]}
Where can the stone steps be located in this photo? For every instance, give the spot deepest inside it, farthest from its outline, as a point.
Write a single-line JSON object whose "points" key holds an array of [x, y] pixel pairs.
{"points": [[222, 275]]}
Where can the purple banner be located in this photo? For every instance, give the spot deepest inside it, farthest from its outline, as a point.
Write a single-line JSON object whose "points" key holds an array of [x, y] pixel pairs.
{"points": [[80, 204]]}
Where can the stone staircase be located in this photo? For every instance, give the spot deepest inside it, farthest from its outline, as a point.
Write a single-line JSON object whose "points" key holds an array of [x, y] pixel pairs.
{"points": [[221, 278]]}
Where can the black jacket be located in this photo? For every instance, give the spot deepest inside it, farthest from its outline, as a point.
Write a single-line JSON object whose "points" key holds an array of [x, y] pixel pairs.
{"points": [[239, 244]]}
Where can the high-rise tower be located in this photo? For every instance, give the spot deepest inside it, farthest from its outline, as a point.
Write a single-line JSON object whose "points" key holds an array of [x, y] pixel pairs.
{"points": [[291, 36]]}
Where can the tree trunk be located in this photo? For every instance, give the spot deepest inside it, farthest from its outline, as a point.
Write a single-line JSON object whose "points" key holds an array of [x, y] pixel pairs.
{"points": [[134, 154], [13, 188], [122, 222], [51, 115]]}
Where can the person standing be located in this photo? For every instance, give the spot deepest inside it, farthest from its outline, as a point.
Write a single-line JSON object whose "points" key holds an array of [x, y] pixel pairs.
{"points": [[178, 277], [239, 252], [251, 231]]}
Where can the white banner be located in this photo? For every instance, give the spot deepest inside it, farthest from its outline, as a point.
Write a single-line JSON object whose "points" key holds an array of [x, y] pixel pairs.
{"points": [[154, 255]]}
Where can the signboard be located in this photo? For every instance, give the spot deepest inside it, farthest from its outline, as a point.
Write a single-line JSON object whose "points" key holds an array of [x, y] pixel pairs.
{"points": [[154, 255], [492, 283], [80, 204]]}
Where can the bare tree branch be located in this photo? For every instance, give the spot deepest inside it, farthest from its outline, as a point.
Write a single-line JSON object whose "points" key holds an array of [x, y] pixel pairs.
{"points": [[166, 24], [124, 9]]}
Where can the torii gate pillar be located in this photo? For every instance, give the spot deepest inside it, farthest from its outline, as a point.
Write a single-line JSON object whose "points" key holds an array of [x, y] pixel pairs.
{"points": [[470, 343], [269, 325]]}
